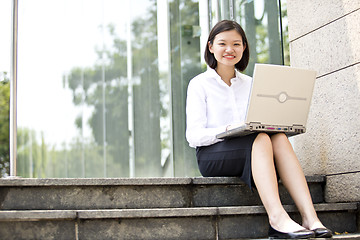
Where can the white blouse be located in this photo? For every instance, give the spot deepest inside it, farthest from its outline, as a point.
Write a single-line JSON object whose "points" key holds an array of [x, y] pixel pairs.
{"points": [[212, 105]]}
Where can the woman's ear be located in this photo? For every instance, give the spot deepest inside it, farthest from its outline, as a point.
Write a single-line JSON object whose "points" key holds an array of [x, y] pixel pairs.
{"points": [[210, 47]]}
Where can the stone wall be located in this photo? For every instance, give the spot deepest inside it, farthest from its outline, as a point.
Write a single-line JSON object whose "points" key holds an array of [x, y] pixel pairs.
{"points": [[325, 36]]}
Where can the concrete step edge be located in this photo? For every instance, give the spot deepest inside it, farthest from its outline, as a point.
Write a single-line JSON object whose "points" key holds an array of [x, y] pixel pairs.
{"points": [[23, 182], [345, 236], [36, 215]]}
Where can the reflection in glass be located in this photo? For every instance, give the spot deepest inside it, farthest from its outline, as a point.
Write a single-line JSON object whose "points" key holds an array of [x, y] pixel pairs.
{"points": [[74, 115], [102, 84], [261, 23], [5, 59]]}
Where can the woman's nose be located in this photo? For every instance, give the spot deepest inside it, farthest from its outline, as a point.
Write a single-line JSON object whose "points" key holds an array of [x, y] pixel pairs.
{"points": [[229, 49]]}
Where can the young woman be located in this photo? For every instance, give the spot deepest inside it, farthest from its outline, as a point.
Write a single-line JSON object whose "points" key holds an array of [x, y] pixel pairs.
{"points": [[217, 99]]}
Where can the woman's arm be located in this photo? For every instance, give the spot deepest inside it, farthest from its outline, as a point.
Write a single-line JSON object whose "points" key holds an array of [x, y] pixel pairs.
{"points": [[197, 132]]}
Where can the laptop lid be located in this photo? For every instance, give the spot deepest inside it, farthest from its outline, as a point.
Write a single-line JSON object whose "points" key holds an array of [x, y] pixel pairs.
{"points": [[280, 95]]}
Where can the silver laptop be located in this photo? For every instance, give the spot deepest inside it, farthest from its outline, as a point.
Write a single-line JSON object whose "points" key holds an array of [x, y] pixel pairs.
{"points": [[279, 101]]}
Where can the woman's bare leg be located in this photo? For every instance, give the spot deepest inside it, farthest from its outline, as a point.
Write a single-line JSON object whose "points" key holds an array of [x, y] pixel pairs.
{"points": [[293, 178], [265, 179]]}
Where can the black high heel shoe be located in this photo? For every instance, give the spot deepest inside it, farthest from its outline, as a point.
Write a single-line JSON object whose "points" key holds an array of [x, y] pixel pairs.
{"points": [[301, 234], [322, 233]]}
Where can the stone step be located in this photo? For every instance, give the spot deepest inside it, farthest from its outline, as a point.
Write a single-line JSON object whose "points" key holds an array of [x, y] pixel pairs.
{"points": [[136, 193], [240, 222]]}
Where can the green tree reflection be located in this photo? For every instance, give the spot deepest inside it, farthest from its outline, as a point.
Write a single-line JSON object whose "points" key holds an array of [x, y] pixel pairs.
{"points": [[4, 124], [87, 87]]}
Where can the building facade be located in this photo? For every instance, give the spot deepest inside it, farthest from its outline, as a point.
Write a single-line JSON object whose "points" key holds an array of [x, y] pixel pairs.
{"points": [[325, 36]]}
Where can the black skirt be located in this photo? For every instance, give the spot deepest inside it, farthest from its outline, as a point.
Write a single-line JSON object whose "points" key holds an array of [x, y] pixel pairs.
{"points": [[229, 158]]}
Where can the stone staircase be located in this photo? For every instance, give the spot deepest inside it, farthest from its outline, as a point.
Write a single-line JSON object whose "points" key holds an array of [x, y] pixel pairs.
{"points": [[151, 208]]}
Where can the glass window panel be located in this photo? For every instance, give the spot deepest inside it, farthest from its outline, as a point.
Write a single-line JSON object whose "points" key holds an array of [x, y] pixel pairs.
{"points": [[92, 104], [5, 59], [146, 92], [285, 33], [185, 64], [163, 34], [260, 19], [57, 81]]}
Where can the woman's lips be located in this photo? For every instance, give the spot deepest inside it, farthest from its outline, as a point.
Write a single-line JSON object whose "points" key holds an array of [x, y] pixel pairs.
{"points": [[229, 56]]}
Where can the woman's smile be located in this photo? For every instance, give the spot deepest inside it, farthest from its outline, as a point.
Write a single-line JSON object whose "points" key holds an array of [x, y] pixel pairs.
{"points": [[229, 56]]}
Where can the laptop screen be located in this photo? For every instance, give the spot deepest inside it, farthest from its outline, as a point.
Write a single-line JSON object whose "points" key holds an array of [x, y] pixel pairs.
{"points": [[280, 95]]}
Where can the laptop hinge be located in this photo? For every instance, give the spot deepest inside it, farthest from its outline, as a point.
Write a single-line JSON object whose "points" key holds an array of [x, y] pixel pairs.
{"points": [[299, 128]]}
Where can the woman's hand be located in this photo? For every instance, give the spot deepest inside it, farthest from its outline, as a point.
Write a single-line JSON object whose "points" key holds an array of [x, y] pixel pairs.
{"points": [[233, 126]]}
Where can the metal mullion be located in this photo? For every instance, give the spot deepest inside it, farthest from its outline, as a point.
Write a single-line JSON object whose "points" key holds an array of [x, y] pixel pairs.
{"points": [[13, 89]]}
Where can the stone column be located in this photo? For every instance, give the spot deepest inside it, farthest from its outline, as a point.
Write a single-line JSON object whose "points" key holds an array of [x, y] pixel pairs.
{"points": [[325, 36]]}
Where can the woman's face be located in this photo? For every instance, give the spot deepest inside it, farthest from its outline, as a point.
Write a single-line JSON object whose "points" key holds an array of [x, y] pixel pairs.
{"points": [[227, 48]]}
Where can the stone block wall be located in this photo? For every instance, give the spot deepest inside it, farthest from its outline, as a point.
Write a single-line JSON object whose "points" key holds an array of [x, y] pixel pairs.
{"points": [[325, 36]]}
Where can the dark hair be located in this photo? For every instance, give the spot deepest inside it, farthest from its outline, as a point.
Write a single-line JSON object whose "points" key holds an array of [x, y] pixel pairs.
{"points": [[223, 26]]}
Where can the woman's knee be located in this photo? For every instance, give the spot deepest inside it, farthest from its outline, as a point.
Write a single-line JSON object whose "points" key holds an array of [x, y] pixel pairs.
{"points": [[262, 142], [263, 138], [279, 136], [279, 139]]}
